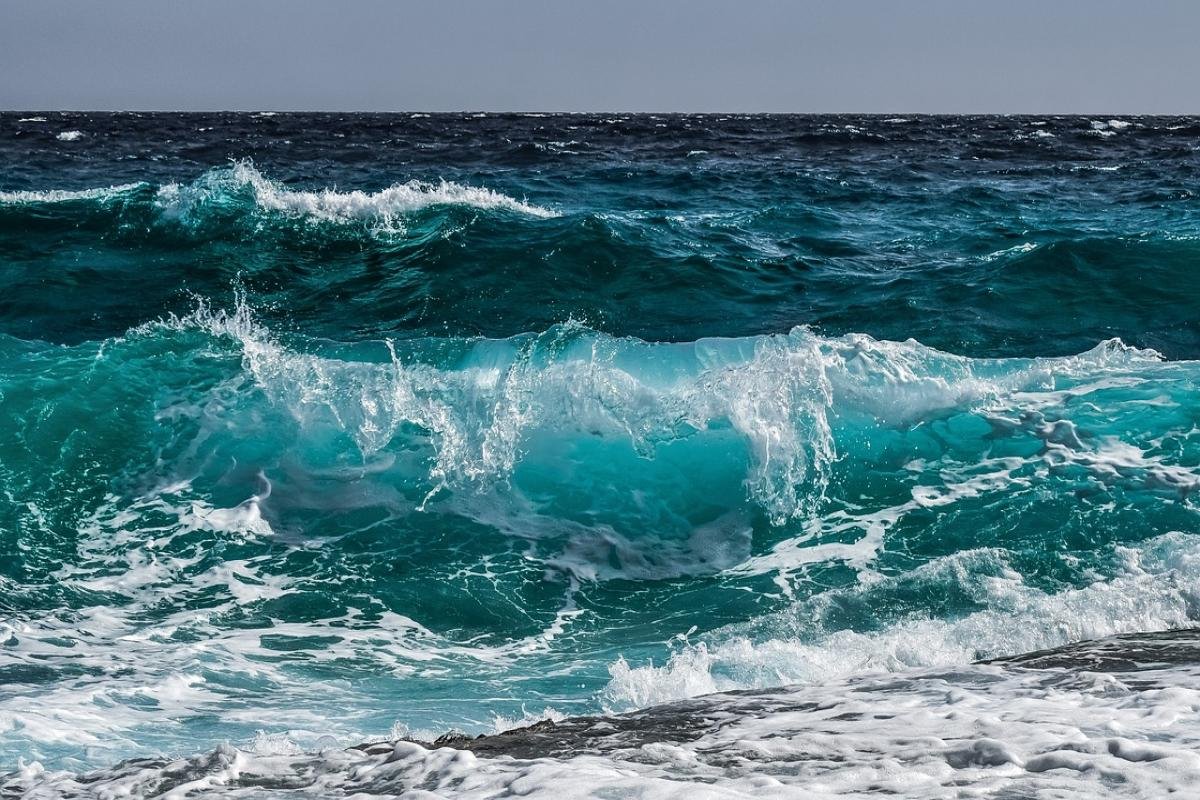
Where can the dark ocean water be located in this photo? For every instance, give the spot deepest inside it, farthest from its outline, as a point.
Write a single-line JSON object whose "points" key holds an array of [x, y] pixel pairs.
{"points": [[316, 427]]}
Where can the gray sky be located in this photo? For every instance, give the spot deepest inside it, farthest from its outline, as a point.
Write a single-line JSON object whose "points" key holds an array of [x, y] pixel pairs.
{"points": [[1054, 56]]}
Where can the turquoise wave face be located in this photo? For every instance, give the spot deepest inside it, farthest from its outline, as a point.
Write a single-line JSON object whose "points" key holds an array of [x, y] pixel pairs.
{"points": [[212, 517], [570, 433]]}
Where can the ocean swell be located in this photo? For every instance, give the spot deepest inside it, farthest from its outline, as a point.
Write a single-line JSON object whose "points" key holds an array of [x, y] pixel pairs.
{"points": [[241, 193]]}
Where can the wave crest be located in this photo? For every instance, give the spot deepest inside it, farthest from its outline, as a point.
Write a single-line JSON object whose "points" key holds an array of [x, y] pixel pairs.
{"points": [[782, 401], [383, 210], [101, 195], [241, 192]]}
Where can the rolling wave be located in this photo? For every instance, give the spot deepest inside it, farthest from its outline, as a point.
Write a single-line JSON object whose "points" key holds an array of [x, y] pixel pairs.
{"points": [[482, 406], [267, 477], [51, 196], [240, 190]]}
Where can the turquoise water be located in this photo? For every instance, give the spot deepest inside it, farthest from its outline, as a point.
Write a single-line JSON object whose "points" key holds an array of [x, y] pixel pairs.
{"points": [[323, 427]]}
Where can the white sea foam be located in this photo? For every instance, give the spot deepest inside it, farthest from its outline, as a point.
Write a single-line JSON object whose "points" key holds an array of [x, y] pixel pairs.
{"points": [[500, 724], [67, 195], [70, 136], [131, 664], [135, 674], [1158, 589], [1105, 129], [1019, 249], [981, 731]]}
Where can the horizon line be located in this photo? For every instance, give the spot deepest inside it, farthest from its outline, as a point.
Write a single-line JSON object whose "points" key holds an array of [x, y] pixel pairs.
{"points": [[9, 110]]}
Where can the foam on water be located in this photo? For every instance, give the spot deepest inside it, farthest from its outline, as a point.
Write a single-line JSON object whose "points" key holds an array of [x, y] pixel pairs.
{"points": [[984, 730], [68, 195], [1158, 588]]}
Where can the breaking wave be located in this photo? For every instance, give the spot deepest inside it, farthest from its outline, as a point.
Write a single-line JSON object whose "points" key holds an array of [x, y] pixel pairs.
{"points": [[482, 405], [105, 194], [809, 476], [240, 190]]}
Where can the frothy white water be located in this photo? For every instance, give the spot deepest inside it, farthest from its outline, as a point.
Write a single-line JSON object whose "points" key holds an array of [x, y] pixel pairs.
{"points": [[130, 675], [70, 136], [1158, 589], [68, 195], [135, 674], [384, 210], [979, 731]]}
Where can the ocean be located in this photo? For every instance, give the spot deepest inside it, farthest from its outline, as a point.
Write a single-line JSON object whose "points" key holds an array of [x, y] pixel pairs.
{"points": [[738, 455]]}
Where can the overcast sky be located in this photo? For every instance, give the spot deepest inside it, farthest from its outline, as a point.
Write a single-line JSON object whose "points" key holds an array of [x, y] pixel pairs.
{"points": [[1003, 56]]}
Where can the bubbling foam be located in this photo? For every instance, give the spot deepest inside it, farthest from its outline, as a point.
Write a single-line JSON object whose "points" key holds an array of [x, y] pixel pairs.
{"points": [[1158, 588]]}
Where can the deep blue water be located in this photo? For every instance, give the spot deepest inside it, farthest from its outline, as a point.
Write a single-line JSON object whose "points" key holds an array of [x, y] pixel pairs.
{"points": [[319, 424]]}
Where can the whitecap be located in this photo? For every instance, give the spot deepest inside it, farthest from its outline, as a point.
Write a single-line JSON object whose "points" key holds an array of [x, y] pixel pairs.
{"points": [[384, 210], [68, 195]]}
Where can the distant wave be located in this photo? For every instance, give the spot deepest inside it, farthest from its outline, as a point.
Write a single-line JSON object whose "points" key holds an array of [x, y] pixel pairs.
{"points": [[103, 194], [241, 190], [384, 209]]}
